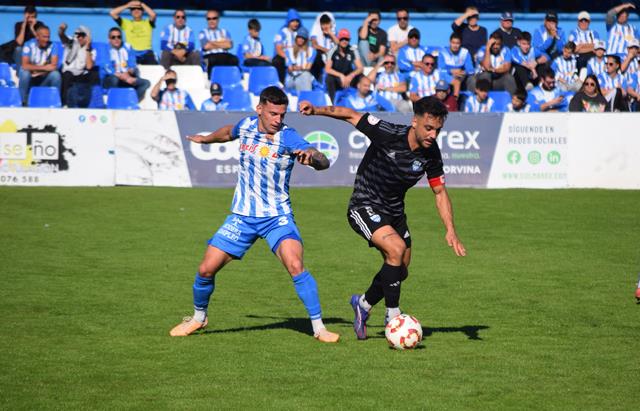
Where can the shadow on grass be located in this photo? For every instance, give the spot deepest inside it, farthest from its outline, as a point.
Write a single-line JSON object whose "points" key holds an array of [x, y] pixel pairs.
{"points": [[301, 325], [471, 331]]}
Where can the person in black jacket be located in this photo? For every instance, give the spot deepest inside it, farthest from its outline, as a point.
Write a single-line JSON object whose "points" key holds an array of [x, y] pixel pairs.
{"points": [[589, 98]]}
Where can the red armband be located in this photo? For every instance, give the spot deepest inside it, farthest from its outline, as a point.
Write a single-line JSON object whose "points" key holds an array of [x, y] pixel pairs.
{"points": [[436, 181]]}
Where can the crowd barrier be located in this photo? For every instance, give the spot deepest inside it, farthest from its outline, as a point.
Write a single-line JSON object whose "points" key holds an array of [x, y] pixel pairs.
{"points": [[49, 147]]}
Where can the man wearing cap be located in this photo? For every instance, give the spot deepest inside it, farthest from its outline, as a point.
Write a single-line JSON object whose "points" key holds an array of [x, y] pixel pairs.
{"points": [[372, 40], [300, 58], [410, 56], [138, 31], [443, 93], [596, 64], [506, 30], [620, 32], [584, 38], [473, 35], [549, 38], [390, 83], [215, 43], [630, 64], [399, 32], [214, 103], [343, 64], [77, 67]]}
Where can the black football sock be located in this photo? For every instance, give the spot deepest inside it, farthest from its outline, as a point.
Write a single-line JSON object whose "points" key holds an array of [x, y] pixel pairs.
{"points": [[374, 294], [390, 276]]}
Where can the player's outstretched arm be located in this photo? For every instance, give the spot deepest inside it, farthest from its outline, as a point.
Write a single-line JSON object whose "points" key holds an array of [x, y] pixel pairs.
{"points": [[312, 157], [443, 203], [221, 135], [337, 112]]}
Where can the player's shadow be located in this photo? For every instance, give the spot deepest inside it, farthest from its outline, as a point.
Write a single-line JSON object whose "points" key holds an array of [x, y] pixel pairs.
{"points": [[300, 325], [471, 331]]}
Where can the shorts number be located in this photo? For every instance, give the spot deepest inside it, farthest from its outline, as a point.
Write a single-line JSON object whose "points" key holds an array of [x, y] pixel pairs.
{"points": [[283, 221]]}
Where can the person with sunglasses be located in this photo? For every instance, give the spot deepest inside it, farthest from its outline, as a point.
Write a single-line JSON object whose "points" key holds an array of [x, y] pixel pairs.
{"points": [[372, 40], [410, 56], [391, 84], [614, 84], [398, 34], [215, 43], [121, 69], [137, 30], [585, 39], [547, 97], [596, 64], [178, 43], [78, 62], [423, 83], [343, 65], [589, 98]]}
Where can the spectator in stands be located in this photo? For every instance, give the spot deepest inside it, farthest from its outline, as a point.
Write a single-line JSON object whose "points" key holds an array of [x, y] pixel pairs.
{"points": [[630, 64], [585, 39], [495, 66], [423, 83], [398, 34], [24, 31], [391, 84], [596, 64], [364, 99], [138, 32], [547, 97], [39, 63], [78, 62], [252, 49], [620, 32], [284, 40], [633, 90], [410, 56], [121, 70], [372, 40], [589, 98], [508, 33], [323, 39], [566, 68], [613, 84], [480, 102], [473, 35], [177, 43], [343, 64], [171, 97], [519, 102], [524, 60], [215, 43], [456, 61], [214, 103], [443, 93], [300, 58], [549, 38]]}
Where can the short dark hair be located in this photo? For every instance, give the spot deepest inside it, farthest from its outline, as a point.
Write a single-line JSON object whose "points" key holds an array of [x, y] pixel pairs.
{"points": [[521, 94], [525, 35], [274, 95], [375, 12], [496, 35], [44, 26], [483, 84], [430, 105], [455, 36], [114, 28], [30, 9], [254, 24], [570, 45], [614, 57], [177, 10], [547, 72], [213, 11], [428, 56], [324, 19], [402, 9]]}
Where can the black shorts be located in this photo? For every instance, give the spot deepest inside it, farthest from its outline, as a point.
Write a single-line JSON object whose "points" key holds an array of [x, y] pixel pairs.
{"points": [[366, 220]]}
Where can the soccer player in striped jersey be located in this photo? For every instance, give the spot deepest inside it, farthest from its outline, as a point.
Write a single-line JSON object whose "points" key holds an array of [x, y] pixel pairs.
{"points": [[596, 64], [171, 97], [566, 68], [480, 102], [423, 83], [390, 83], [399, 156], [260, 208], [300, 58], [252, 50], [620, 32], [584, 38]]}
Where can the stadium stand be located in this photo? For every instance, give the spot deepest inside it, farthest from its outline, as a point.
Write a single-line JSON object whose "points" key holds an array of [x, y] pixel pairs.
{"points": [[238, 99], [97, 97], [230, 76], [261, 77], [6, 79], [500, 100], [316, 97], [44, 97], [10, 97], [124, 98]]}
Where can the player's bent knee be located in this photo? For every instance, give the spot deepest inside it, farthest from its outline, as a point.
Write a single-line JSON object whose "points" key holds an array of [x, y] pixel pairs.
{"points": [[394, 253], [295, 267]]}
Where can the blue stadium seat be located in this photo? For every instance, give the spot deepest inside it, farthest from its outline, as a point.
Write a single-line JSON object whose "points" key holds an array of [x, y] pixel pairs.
{"points": [[226, 76], [97, 97], [10, 97], [238, 99], [316, 97], [60, 53], [124, 98], [44, 97], [500, 100], [102, 52], [5, 76], [262, 77]]}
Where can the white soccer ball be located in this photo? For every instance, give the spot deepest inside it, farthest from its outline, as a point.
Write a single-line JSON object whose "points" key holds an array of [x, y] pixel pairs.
{"points": [[403, 332]]}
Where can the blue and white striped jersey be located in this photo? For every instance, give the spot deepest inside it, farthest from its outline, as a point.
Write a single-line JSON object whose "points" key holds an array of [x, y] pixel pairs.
{"points": [[175, 100], [447, 60], [472, 105], [496, 60], [207, 35], [632, 68], [619, 36], [210, 105], [583, 36], [565, 69], [539, 96], [265, 169], [120, 59], [608, 82], [39, 56], [519, 57], [407, 55], [387, 80], [171, 35], [285, 38], [596, 66], [252, 46], [305, 56], [544, 43], [324, 41], [635, 81], [524, 109], [425, 85]]}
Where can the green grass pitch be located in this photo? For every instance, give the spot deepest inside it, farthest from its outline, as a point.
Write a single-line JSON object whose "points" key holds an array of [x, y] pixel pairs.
{"points": [[539, 315]]}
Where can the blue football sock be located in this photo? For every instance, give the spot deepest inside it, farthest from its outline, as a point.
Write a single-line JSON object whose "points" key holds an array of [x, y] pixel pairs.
{"points": [[307, 291], [202, 289]]}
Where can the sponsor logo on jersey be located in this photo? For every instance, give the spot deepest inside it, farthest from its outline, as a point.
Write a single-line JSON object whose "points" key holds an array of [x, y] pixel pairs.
{"points": [[373, 120], [417, 165]]}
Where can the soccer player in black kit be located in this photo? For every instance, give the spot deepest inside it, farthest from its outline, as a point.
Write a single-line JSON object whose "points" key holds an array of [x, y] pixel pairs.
{"points": [[395, 161]]}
